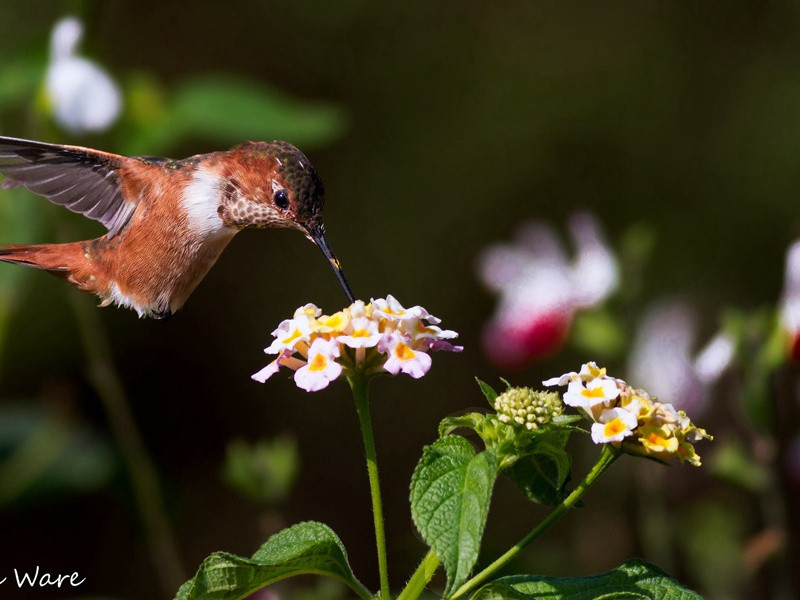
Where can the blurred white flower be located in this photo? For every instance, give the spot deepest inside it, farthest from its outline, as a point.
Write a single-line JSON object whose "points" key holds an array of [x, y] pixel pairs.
{"points": [[790, 300], [540, 288], [662, 357], [83, 96]]}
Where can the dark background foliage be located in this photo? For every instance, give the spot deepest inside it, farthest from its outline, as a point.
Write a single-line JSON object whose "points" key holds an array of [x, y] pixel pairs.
{"points": [[452, 122]]}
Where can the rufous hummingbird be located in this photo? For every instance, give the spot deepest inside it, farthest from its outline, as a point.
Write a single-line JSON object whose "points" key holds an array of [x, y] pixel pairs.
{"points": [[168, 220]]}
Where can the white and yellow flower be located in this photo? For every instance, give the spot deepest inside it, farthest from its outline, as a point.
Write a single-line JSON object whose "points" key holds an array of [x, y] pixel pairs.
{"points": [[630, 418], [321, 367], [402, 357], [597, 391], [614, 425]]}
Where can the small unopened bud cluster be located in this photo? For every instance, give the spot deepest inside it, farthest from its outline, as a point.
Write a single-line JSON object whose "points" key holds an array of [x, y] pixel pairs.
{"points": [[527, 407]]}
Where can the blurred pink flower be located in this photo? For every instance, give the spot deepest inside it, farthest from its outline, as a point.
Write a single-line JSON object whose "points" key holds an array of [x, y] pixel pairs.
{"points": [[541, 288], [662, 357], [790, 300]]}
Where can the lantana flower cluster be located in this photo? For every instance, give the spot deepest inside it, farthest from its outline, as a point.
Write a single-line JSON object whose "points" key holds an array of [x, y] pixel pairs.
{"points": [[381, 336], [628, 417]]}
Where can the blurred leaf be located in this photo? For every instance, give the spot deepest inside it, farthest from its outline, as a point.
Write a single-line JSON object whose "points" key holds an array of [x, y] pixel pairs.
{"points": [[713, 541], [635, 251], [145, 101], [735, 464], [305, 548], [20, 222], [761, 349], [264, 471], [42, 455], [20, 78], [451, 489], [632, 579], [598, 332], [227, 111]]}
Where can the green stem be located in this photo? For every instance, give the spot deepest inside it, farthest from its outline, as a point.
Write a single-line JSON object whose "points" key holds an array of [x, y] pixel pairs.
{"points": [[607, 456], [146, 488], [360, 386], [419, 580]]}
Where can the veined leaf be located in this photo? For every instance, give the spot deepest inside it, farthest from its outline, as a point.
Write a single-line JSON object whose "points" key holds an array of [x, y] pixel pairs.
{"points": [[634, 579], [541, 476], [305, 548], [450, 493]]}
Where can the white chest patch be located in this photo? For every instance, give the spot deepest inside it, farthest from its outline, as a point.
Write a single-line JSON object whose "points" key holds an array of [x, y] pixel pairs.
{"points": [[201, 201]]}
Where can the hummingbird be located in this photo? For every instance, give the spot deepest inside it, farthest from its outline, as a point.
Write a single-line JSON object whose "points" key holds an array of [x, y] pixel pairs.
{"points": [[168, 220]]}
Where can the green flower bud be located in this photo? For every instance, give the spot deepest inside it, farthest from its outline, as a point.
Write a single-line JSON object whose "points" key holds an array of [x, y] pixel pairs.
{"points": [[524, 406]]}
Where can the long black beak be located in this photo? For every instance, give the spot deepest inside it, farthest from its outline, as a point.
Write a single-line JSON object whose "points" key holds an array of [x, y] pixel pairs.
{"points": [[317, 235]]}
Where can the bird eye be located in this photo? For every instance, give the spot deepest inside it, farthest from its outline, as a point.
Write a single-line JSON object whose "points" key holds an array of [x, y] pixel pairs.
{"points": [[281, 199]]}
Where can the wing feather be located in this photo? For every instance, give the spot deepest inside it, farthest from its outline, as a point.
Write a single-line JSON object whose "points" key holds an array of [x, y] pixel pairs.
{"points": [[83, 180]]}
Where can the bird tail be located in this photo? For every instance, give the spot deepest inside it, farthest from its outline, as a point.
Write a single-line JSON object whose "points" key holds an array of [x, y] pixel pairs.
{"points": [[53, 258]]}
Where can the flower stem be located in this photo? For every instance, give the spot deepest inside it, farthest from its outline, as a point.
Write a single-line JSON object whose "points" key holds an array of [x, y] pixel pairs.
{"points": [[607, 456], [419, 580], [360, 386], [144, 478]]}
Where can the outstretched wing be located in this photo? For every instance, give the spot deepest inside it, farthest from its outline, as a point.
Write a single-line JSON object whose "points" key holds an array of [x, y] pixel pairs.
{"points": [[83, 180]]}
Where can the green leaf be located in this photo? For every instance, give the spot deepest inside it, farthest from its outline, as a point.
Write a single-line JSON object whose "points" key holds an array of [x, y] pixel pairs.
{"points": [[488, 391], [227, 110], [450, 493], [632, 579], [474, 421], [305, 548], [542, 474]]}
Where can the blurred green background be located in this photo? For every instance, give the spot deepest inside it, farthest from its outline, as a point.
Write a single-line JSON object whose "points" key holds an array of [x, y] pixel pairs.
{"points": [[437, 128]]}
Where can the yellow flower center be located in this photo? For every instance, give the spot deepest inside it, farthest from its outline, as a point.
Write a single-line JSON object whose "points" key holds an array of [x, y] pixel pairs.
{"points": [[596, 372], [659, 443], [614, 427], [360, 333], [292, 337], [593, 393], [421, 329], [318, 363], [403, 352]]}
